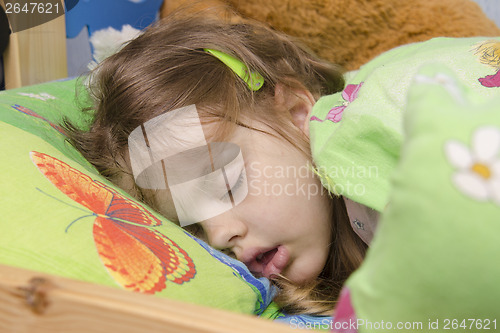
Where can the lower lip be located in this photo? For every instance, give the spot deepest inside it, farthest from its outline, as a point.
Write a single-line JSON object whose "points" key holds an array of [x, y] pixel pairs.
{"points": [[277, 263]]}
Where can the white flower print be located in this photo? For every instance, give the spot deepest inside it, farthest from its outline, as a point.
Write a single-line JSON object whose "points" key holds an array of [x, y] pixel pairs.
{"points": [[478, 167]]}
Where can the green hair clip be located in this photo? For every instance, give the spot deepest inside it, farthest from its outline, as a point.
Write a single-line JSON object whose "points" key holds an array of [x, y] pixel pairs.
{"points": [[255, 81]]}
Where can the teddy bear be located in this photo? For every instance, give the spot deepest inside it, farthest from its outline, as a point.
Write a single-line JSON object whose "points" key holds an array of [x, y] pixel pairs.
{"points": [[352, 32]]}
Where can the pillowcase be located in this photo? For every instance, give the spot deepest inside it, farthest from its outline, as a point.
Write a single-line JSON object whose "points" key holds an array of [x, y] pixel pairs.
{"points": [[59, 216], [356, 134], [431, 265]]}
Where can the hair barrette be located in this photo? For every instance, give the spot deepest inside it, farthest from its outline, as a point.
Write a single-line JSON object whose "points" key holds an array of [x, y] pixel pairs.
{"points": [[254, 80]]}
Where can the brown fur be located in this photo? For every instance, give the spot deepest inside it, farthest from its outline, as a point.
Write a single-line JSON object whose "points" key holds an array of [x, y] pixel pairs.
{"points": [[351, 32]]}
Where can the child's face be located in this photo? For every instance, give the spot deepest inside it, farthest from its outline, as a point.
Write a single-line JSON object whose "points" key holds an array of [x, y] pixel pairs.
{"points": [[283, 225]]}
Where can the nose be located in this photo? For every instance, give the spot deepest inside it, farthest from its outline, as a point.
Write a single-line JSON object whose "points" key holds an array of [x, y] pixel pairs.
{"points": [[224, 231]]}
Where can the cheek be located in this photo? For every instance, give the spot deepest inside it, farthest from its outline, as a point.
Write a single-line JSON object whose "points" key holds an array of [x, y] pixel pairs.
{"points": [[308, 266], [296, 203], [312, 248]]}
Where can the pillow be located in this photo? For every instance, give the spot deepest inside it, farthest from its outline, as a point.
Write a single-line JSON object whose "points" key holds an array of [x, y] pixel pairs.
{"points": [[59, 216], [432, 264], [356, 134]]}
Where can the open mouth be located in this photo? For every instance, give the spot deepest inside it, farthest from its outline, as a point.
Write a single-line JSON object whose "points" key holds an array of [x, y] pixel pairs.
{"points": [[265, 258], [268, 263]]}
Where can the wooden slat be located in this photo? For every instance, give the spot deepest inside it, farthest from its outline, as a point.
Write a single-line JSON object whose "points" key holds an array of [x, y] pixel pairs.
{"points": [[36, 55], [36, 302]]}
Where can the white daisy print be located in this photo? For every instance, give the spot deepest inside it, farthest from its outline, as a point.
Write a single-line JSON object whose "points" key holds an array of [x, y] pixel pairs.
{"points": [[478, 166]]}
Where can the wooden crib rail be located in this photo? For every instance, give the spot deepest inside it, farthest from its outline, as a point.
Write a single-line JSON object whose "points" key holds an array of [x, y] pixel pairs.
{"points": [[42, 303]]}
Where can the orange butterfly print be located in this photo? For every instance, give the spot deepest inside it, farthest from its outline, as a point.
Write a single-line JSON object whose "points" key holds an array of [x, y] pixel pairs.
{"points": [[136, 255]]}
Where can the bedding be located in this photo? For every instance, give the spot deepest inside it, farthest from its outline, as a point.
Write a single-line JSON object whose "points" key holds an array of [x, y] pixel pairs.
{"points": [[59, 216], [432, 265], [356, 135], [428, 116]]}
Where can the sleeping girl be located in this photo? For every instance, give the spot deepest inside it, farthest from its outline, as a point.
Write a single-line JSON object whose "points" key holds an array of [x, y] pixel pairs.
{"points": [[196, 93]]}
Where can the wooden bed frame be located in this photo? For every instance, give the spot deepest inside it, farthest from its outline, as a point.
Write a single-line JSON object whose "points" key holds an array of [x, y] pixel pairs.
{"points": [[42, 303], [36, 55]]}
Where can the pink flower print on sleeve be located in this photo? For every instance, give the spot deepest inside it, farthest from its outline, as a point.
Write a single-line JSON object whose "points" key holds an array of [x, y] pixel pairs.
{"points": [[345, 320], [491, 81], [349, 94]]}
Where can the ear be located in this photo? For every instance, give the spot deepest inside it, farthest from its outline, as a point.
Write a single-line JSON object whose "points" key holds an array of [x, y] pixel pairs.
{"points": [[297, 102]]}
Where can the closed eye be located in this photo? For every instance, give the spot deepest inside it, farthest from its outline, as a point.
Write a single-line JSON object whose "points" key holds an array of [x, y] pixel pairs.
{"points": [[237, 185]]}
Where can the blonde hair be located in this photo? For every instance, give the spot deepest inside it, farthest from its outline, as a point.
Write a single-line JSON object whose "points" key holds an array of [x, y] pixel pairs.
{"points": [[165, 68]]}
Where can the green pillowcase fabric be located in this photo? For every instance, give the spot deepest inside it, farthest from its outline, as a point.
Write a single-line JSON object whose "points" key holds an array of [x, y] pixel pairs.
{"points": [[59, 216], [356, 135], [432, 265]]}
